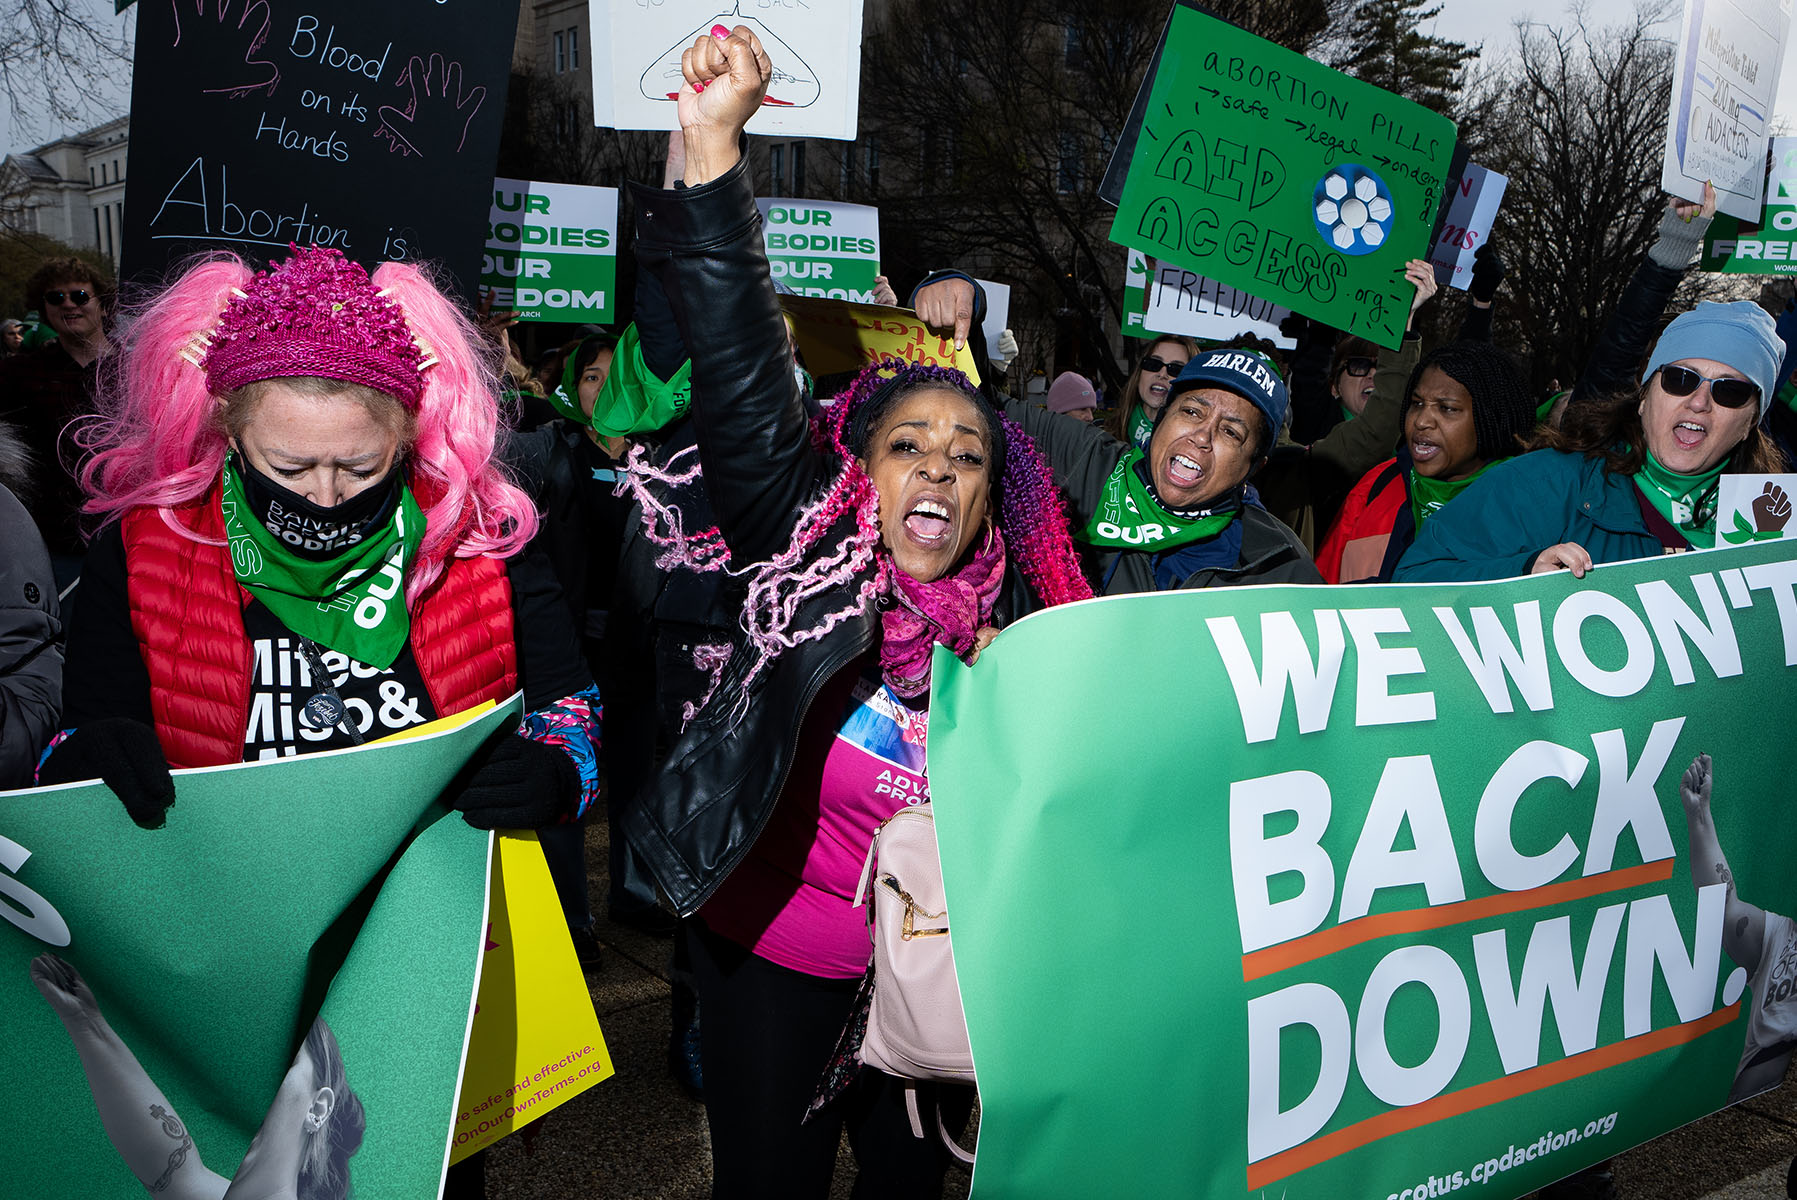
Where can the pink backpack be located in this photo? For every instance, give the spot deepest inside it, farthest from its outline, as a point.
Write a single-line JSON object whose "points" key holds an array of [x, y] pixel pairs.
{"points": [[915, 1027]]}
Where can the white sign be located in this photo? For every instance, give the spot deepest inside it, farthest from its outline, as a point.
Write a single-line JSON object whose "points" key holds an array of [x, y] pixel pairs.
{"points": [[822, 247], [998, 313], [1185, 302], [1472, 205], [1723, 85], [815, 47], [1754, 508]]}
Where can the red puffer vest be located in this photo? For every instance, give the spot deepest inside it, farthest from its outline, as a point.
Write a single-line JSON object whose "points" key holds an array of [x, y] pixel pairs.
{"points": [[187, 613]]}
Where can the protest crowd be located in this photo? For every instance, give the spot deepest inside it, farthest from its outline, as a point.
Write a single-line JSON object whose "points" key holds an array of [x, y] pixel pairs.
{"points": [[272, 508]]}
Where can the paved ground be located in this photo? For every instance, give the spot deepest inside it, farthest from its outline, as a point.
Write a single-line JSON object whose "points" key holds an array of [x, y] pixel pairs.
{"points": [[636, 1135]]}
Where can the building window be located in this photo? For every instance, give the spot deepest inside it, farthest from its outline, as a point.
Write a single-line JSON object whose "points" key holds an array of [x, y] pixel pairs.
{"points": [[574, 48], [115, 171], [776, 167], [1074, 45], [93, 176], [798, 169], [1070, 172], [561, 54], [98, 239]]}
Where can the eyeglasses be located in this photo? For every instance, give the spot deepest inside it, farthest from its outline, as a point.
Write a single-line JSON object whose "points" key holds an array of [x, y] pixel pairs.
{"points": [[1729, 393], [1151, 364], [1358, 367], [78, 297]]}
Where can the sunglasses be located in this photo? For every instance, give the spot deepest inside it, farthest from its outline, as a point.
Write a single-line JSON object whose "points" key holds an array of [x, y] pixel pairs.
{"points": [[1358, 367], [78, 297], [1151, 364], [1729, 393]]}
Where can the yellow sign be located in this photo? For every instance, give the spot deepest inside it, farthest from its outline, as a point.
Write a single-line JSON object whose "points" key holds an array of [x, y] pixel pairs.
{"points": [[835, 336], [535, 1043]]}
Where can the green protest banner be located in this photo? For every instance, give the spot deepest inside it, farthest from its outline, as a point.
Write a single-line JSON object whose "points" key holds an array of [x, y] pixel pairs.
{"points": [[823, 247], [552, 251], [1736, 247], [1264, 170], [1372, 891], [191, 964]]}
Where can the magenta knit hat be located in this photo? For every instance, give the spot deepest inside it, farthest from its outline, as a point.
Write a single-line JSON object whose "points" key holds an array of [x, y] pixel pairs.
{"points": [[1070, 392], [316, 313]]}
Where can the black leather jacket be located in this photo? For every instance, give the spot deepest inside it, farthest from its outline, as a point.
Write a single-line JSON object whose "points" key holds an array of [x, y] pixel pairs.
{"points": [[713, 796], [715, 793]]}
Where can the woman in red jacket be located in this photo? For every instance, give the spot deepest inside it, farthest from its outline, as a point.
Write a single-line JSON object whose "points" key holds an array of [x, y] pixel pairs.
{"points": [[1466, 408], [307, 544]]}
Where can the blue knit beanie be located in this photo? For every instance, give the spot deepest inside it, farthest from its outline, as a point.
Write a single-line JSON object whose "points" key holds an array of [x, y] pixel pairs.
{"points": [[1738, 334], [1246, 373]]}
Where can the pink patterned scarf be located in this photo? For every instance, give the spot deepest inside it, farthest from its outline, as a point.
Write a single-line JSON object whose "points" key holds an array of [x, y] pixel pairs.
{"points": [[950, 610]]}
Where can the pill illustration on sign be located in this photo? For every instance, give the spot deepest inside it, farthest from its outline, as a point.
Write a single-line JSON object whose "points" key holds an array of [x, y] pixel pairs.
{"points": [[1353, 209]]}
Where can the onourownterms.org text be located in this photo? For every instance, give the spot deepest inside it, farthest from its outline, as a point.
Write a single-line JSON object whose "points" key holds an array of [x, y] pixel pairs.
{"points": [[1515, 1156]]}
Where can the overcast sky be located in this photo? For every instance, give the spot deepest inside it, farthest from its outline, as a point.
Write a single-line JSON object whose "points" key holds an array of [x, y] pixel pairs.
{"points": [[1491, 22]]}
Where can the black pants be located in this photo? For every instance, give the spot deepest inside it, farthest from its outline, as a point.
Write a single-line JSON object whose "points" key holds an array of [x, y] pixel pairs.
{"points": [[765, 1039]]}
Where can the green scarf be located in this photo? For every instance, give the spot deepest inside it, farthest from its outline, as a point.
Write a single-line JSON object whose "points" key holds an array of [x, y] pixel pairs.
{"points": [[1141, 426], [1428, 495], [1679, 498], [632, 399], [1130, 518], [354, 603]]}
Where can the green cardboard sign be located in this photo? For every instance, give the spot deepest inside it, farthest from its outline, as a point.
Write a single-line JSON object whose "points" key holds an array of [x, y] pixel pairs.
{"points": [[1736, 247], [552, 251], [1284, 178], [330, 885], [1405, 901], [822, 247]]}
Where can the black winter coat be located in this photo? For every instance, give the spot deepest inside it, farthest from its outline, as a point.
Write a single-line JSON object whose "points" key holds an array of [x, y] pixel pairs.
{"points": [[715, 793]]}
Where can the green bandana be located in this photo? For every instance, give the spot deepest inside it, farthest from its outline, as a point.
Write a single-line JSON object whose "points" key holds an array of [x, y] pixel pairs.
{"points": [[1428, 495], [353, 603], [1680, 498], [1141, 427], [632, 399], [1129, 517]]}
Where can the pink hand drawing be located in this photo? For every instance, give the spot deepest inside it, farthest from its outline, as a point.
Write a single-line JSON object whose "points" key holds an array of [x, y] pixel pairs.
{"points": [[253, 74], [435, 120]]}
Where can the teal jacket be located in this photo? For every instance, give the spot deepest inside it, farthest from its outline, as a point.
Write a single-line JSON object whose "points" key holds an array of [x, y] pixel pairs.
{"points": [[1519, 508]]}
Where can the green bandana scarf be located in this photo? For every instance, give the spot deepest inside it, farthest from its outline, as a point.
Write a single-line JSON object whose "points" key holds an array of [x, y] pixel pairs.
{"points": [[1130, 518], [632, 399], [1679, 498], [1428, 495], [1141, 427], [354, 603]]}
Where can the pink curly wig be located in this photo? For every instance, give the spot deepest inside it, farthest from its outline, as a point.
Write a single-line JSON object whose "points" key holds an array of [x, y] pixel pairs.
{"points": [[157, 441], [1028, 508]]}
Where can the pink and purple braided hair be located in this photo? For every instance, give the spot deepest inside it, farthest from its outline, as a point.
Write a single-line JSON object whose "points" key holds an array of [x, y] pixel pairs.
{"points": [[1028, 509]]}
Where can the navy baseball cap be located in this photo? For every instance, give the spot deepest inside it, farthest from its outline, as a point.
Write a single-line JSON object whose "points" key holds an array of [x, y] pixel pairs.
{"points": [[1244, 372]]}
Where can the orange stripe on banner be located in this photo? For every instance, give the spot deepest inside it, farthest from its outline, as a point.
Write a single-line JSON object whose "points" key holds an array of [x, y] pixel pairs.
{"points": [[1483, 1095], [1325, 942]]}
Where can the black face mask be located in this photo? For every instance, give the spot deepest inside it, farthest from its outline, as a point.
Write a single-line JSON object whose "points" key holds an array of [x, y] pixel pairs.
{"points": [[314, 532]]}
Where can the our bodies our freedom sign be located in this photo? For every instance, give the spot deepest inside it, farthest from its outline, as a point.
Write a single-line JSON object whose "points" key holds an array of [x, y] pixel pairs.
{"points": [[1422, 887], [1264, 170], [552, 251], [822, 247], [371, 128], [1767, 245], [196, 958]]}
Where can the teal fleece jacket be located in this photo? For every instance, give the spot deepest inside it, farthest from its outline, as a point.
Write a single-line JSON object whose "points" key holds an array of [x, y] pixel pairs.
{"points": [[1519, 508]]}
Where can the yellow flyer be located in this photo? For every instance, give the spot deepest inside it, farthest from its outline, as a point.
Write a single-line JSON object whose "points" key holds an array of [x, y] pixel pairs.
{"points": [[535, 1041], [835, 336]]}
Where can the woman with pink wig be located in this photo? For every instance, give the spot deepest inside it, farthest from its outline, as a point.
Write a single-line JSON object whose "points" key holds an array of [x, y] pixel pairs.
{"points": [[911, 515], [306, 544]]}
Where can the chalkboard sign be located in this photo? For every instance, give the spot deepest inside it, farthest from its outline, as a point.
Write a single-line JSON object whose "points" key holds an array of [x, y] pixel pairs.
{"points": [[372, 127]]}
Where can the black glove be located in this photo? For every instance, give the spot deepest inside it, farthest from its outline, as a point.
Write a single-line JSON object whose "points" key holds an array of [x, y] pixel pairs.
{"points": [[521, 785], [125, 756], [1488, 271], [1294, 326]]}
